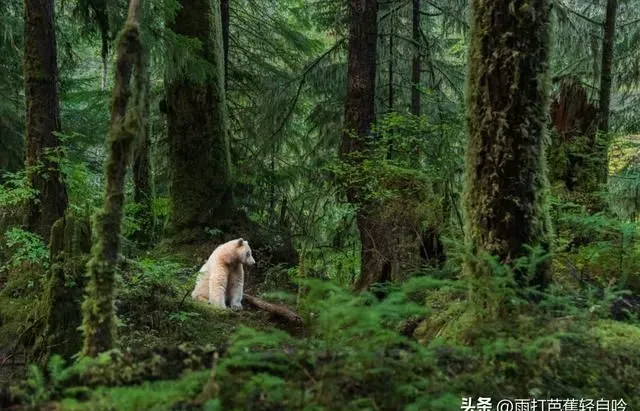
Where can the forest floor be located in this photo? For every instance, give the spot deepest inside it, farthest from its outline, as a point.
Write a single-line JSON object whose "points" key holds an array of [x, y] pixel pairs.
{"points": [[179, 354]]}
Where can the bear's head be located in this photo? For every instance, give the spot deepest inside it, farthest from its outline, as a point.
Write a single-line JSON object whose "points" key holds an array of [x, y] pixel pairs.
{"points": [[244, 251]]}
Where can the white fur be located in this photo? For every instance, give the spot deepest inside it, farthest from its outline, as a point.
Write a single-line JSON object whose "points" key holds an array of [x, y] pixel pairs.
{"points": [[221, 278]]}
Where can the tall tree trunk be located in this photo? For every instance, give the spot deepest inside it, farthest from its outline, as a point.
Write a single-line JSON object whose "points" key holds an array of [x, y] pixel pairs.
{"points": [[200, 180], [606, 80], [391, 87], [507, 105], [607, 62], [43, 117], [225, 17], [98, 307], [142, 182], [431, 246], [416, 64], [359, 114]]}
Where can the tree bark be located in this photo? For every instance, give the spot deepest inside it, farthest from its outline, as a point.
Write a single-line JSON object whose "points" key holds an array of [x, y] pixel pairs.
{"points": [[200, 186], [225, 17], [359, 114], [42, 117], [606, 79], [98, 308], [507, 105], [416, 64], [391, 85], [142, 181]]}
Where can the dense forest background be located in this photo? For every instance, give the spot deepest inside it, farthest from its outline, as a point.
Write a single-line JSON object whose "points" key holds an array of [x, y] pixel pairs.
{"points": [[442, 198]]}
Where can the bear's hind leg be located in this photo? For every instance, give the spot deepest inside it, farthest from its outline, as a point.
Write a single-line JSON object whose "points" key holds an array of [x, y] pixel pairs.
{"points": [[217, 291]]}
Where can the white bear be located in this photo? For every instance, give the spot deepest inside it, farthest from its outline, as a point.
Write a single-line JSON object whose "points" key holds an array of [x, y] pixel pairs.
{"points": [[221, 278]]}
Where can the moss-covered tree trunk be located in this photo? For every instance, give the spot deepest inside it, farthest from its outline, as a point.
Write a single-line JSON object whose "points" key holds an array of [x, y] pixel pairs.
{"points": [[200, 184], [42, 117], [142, 181], [70, 245], [507, 104], [359, 114], [98, 308]]}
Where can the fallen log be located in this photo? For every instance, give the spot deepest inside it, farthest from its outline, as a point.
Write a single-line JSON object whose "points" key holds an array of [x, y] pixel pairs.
{"points": [[276, 309]]}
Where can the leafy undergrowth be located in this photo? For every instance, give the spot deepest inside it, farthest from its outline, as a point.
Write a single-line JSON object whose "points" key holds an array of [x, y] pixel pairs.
{"points": [[361, 353], [418, 348]]}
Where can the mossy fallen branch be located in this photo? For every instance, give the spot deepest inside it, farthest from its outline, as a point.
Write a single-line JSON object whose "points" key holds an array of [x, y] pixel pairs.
{"points": [[276, 309]]}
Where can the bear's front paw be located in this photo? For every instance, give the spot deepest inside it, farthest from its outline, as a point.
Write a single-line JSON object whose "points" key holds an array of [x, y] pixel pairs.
{"points": [[236, 307]]}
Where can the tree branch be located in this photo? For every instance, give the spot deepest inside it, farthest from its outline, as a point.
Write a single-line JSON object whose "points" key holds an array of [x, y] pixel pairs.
{"points": [[277, 309]]}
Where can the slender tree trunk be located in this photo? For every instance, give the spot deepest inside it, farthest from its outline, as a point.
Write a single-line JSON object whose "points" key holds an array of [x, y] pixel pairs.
{"points": [[595, 53], [43, 117], [606, 77], [225, 17], [391, 88], [606, 81], [359, 114], [200, 184], [416, 64], [98, 308], [507, 106]]}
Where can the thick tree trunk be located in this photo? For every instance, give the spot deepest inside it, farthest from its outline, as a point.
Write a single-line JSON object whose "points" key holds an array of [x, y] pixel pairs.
{"points": [[359, 114], [98, 307], [507, 106], [200, 179], [142, 181], [43, 117], [416, 63]]}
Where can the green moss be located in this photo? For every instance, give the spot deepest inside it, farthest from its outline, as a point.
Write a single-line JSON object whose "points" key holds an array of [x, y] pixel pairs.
{"points": [[99, 324], [70, 246], [507, 105]]}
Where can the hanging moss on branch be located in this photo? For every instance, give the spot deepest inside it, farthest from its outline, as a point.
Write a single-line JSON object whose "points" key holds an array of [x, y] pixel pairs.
{"points": [[507, 105], [98, 308]]}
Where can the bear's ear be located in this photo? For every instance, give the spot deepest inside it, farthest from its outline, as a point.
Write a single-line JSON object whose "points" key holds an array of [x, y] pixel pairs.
{"points": [[240, 242]]}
